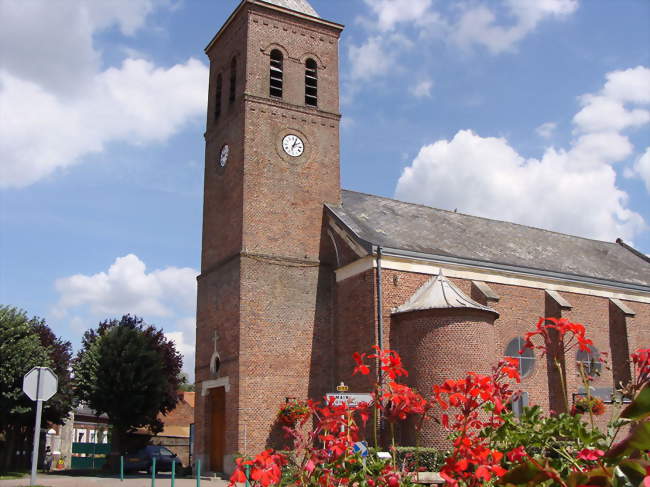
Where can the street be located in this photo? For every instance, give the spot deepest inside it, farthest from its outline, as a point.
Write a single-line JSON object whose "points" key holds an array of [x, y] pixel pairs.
{"points": [[58, 480]]}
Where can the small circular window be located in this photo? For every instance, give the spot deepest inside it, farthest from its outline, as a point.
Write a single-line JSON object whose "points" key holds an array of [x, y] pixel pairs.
{"points": [[589, 360], [525, 356]]}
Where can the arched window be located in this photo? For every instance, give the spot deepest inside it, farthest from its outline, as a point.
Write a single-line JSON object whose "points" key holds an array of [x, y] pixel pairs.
{"points": [[233, 79], [311, 83], [276, 74], [217, 96], [524, 356], [590, 361]]}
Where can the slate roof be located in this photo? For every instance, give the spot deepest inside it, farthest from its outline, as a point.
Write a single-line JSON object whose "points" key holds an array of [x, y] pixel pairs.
{"points": [[301, 6], [410, 229], [440, 293]]}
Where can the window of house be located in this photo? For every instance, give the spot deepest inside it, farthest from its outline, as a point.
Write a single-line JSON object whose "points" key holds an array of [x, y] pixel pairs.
{"points": [[524, 356], [217, 96], [589, 360], [233, 79], [311, 83], [276, 74]]}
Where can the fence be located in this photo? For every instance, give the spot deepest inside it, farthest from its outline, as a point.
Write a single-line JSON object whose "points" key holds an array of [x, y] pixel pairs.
{"points": [[89, 455]]}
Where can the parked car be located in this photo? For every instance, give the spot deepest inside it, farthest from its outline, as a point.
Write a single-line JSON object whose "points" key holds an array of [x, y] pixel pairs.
{"points": [[143, 460]]}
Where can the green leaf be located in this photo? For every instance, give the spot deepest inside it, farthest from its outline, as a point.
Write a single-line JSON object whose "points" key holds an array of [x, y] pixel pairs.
{"points": [[639, 408], [522, 474], [630, 472], [638, 439]]}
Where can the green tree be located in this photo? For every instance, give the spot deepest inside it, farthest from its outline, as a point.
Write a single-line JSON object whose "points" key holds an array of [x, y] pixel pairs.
{"points": [[27, 343], [130, 371]]}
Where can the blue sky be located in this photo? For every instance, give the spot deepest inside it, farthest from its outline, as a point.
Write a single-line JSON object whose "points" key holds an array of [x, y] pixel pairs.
{"points": [[533, 111]]}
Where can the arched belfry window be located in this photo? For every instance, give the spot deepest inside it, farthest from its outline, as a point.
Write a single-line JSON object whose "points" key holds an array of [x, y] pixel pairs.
{"points": [[233, 79], [217, 96], [276, 74], [311, 83]]}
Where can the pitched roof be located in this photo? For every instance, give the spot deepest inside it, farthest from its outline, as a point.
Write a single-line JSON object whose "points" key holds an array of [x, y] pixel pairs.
{"points": [[421, 231], [440, 293], [301, 6]]}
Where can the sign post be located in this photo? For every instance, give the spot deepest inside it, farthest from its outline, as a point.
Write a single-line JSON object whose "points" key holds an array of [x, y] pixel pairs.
{"points": [[40, 384]]}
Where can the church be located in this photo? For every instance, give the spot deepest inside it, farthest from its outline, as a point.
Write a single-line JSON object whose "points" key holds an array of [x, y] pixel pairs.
{"points": [[298, 273]]}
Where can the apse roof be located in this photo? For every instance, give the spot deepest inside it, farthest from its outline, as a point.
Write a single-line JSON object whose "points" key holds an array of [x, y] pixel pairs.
{"points": [[421, 231], [301, 6], [440, 293]]}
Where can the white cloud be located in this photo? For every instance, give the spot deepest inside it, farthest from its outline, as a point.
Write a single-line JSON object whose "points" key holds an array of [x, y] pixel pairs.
{"points": [[376, 56], [184, 338], [642, 168], [164, 297], [480, 25], [59, 107], [422, 89], [546, 130], [555, 191], [607, 110], [392, 23], [390, 13], [126, 287]]}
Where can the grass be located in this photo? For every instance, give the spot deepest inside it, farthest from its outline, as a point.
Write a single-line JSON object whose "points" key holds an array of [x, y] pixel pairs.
{"points": [[12, 475]]}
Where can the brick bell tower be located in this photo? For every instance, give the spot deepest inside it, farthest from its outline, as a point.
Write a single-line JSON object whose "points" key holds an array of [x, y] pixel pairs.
{"points": [[264, 311]]}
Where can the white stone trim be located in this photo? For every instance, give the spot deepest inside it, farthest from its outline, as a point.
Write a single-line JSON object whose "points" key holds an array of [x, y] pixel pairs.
{"points": [[559, 299], [627, 311], [206, 385], [358, 249], [491, 276]]}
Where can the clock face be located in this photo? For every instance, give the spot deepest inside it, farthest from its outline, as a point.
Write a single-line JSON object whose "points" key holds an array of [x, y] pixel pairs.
{"points": [[293, 145], [223, 157]]}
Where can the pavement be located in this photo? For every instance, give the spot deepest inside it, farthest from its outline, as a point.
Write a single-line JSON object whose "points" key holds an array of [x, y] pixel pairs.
{"points": [[60, 480]]}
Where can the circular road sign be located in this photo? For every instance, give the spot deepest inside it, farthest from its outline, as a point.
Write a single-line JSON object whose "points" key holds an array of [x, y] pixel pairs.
{"points": [[40, 383]]}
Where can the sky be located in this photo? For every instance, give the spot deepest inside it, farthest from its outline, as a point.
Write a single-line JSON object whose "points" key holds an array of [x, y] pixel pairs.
{"points": [[530, 111]]}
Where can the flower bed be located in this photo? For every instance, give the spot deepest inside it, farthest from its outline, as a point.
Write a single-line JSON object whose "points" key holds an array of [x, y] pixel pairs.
{"points": [[489, 445]]}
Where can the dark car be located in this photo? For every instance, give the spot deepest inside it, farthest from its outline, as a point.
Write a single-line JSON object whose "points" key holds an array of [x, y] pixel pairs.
{"points": [[143, 460]]}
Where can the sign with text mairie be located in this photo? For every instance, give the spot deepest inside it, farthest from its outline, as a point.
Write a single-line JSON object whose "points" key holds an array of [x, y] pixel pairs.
{"points": [[351, 399]]}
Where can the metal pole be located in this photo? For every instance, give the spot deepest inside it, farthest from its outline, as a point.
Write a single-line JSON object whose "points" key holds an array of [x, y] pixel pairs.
{"points": [[37, 429], [173, 472], [153, 473], [198, 472], [122, 468], [247, 469]]}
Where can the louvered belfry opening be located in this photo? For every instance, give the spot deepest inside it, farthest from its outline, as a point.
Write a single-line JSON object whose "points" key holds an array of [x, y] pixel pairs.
{"points": [[217, 97], [276, 75], [311, 83]]}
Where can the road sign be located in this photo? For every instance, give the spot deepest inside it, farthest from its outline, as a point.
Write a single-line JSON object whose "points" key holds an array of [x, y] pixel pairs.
{"points": [[361, 447], [40, 383], [351, 399]]}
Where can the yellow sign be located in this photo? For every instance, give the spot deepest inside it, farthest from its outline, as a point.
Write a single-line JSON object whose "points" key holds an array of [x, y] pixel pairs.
{"points": [[342, 387]]}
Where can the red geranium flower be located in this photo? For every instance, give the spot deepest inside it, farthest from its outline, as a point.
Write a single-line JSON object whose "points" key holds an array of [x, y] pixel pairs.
{"points": [[590, 455]]}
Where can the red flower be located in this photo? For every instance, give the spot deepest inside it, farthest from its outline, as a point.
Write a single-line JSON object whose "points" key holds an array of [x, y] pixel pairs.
{"points": [[517, 454], [590, 455], [361, 367]]}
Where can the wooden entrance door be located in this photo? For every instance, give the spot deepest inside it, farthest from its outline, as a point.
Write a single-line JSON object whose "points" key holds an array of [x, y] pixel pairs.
{"points": [[217, 428]]}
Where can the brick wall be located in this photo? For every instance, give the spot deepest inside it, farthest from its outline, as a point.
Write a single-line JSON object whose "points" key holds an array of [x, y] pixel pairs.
{"points": [[519, 307], [437, 345]]}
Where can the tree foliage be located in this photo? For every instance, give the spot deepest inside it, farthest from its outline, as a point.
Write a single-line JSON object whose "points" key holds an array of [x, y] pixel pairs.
{"points": [[130, 371], [25, 343]]}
